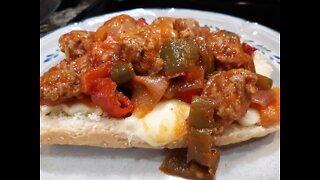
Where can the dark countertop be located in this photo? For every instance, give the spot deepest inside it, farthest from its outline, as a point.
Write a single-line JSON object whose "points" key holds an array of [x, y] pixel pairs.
{"points": [[265, 12]]}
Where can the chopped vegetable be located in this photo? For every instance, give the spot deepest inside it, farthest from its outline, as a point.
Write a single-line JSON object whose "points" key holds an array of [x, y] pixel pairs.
{"points": [[88, 78], [200, 138], [176, 164], [121, 73], [106, 96], [264, 82], [103, 92], [248, 49], [187, 94], [270, 114], [195, 77], [147, 92], [263, 97], [189, 84], [200, 143], [201, 113], [207, 57], [171, 90], [179, 55], [175, 75]]}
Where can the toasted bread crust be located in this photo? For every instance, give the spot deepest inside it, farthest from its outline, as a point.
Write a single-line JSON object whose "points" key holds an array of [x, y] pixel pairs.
{"points": [[104, 136]]}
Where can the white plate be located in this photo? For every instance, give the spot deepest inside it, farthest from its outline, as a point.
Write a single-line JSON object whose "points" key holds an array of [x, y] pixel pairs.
{"points": [[252, 160]]}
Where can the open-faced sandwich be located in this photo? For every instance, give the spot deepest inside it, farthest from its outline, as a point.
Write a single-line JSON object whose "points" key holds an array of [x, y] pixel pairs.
{"points": [[169, 84]]}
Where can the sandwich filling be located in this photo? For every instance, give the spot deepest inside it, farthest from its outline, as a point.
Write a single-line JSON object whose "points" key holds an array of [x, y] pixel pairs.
{"points": [[164, 124], [162, 81]]}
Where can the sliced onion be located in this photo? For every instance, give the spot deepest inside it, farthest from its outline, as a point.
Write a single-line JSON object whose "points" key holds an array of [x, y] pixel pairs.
{"points": [[147, 92], [263, 97]]}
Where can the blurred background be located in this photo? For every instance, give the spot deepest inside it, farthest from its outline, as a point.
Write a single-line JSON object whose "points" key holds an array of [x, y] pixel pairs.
{"points": [[58, 13]]}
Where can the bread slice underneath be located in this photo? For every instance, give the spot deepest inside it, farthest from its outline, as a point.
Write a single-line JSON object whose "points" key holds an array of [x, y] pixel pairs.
{"points": [[65, 130]]}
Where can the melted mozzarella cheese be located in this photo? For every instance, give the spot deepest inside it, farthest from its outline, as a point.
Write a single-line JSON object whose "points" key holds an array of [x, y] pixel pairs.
{"points": [[163, 125], [251, 118]]}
